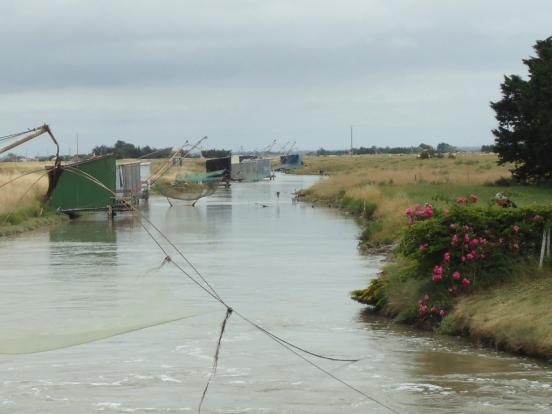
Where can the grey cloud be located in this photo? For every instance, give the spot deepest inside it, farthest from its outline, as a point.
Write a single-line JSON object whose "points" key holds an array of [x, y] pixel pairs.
{"points": [[246, 71]]}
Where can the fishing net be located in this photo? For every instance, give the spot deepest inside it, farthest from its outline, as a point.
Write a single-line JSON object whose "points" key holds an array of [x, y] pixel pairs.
{"points": [[85, 284], [180, 183], [184, 191]]}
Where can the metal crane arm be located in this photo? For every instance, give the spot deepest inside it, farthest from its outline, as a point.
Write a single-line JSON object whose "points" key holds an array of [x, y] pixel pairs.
{"points": [[33, 133]]}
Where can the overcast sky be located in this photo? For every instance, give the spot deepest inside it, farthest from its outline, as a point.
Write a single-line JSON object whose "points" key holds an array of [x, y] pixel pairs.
{"points": [[245, 72]]}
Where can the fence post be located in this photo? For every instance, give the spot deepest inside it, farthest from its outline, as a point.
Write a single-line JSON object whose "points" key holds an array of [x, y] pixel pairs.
{"points": [[543, 246], [548, 241]]}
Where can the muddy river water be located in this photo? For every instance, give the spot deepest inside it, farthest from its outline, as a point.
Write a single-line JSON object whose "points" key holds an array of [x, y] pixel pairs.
{"points": [[74, 300]]}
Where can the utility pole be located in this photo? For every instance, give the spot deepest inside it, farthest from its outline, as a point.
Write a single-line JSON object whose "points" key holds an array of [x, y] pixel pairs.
{"points": [[351, 141], [77, 147]]}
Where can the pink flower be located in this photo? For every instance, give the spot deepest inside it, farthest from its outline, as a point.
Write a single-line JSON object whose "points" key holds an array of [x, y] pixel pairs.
{"points": [[515, 246], [423, 309], [438, 270], [442, 313], [424, 246], [454, 239], [463, 258], [409, 211], [452, 226], [482, 240], [466, 237], [428, 210], [426, 297], [466, 246], [474, 242], [515, 229], [446, 212], [473, 198], [456, 275], [466, 227], [446, 257], [460, 201], [454, 288], [470, 256], [433, 309], [536, 217], [466, 281], [436, 277]]}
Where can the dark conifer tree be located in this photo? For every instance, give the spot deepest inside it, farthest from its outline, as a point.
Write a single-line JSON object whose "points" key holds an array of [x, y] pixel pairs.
{"points": [[524, 114]]}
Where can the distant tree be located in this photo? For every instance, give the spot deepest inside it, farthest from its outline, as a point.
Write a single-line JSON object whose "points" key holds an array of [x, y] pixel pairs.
{"points": [[123, 149], [524, 114], [426, 151], [487, 148], [444, 147]]}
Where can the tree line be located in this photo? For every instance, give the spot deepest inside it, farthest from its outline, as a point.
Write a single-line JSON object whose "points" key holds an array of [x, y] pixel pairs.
{"points": [[442, 148]]}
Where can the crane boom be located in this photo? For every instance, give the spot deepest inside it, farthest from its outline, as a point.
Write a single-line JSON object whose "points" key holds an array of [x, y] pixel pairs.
{"points": [[32, 133], [179, 152]]}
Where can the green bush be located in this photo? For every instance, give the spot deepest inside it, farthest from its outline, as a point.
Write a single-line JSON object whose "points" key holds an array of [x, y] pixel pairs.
{"points": [[358, 207], [467, 247]]}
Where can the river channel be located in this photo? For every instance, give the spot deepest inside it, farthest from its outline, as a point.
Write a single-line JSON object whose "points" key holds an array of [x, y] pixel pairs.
{"points": [[86, 309]]}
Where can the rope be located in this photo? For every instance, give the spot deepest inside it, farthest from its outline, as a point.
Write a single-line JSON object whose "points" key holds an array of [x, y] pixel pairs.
{"points": [[119, 333], [328, 373], [212, 292], [22, 196], [17, 134], [21, 176], [279, 339], [216, 358]]}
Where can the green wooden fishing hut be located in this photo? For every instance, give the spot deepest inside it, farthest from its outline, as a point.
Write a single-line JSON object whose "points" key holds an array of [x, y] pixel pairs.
{"points": [[72, 192]]}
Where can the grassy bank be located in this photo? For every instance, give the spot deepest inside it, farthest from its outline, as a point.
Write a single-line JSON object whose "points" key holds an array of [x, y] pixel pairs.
{"points": [[21, 199], [511, 314], [381, 187], [28, 219]]}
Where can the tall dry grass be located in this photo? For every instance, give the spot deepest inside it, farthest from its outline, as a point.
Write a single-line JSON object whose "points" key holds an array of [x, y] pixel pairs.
{"points": [[392, 183], [24, 193], [514, 315], [465, 169]]}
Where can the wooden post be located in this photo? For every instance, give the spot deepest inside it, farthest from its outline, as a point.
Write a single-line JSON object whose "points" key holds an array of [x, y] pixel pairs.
{"points": [[545, 236], [548, 241]]}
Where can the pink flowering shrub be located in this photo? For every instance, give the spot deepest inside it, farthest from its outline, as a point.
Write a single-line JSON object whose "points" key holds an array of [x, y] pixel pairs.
{"points": [[467, 247], [417, 213]]}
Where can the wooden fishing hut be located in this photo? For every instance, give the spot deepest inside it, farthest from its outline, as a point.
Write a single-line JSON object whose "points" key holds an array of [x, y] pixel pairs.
{"points": [[220, 164], [90, 185], [250, 169]]}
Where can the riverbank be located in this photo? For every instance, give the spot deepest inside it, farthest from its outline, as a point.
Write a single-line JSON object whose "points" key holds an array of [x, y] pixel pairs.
{"points": [[28, 219], [511, 315], [23, 187]]}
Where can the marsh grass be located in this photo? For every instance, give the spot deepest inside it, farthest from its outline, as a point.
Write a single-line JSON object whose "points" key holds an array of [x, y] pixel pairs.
{"points": [[514, 315], [23, 197], [392, 183]]}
